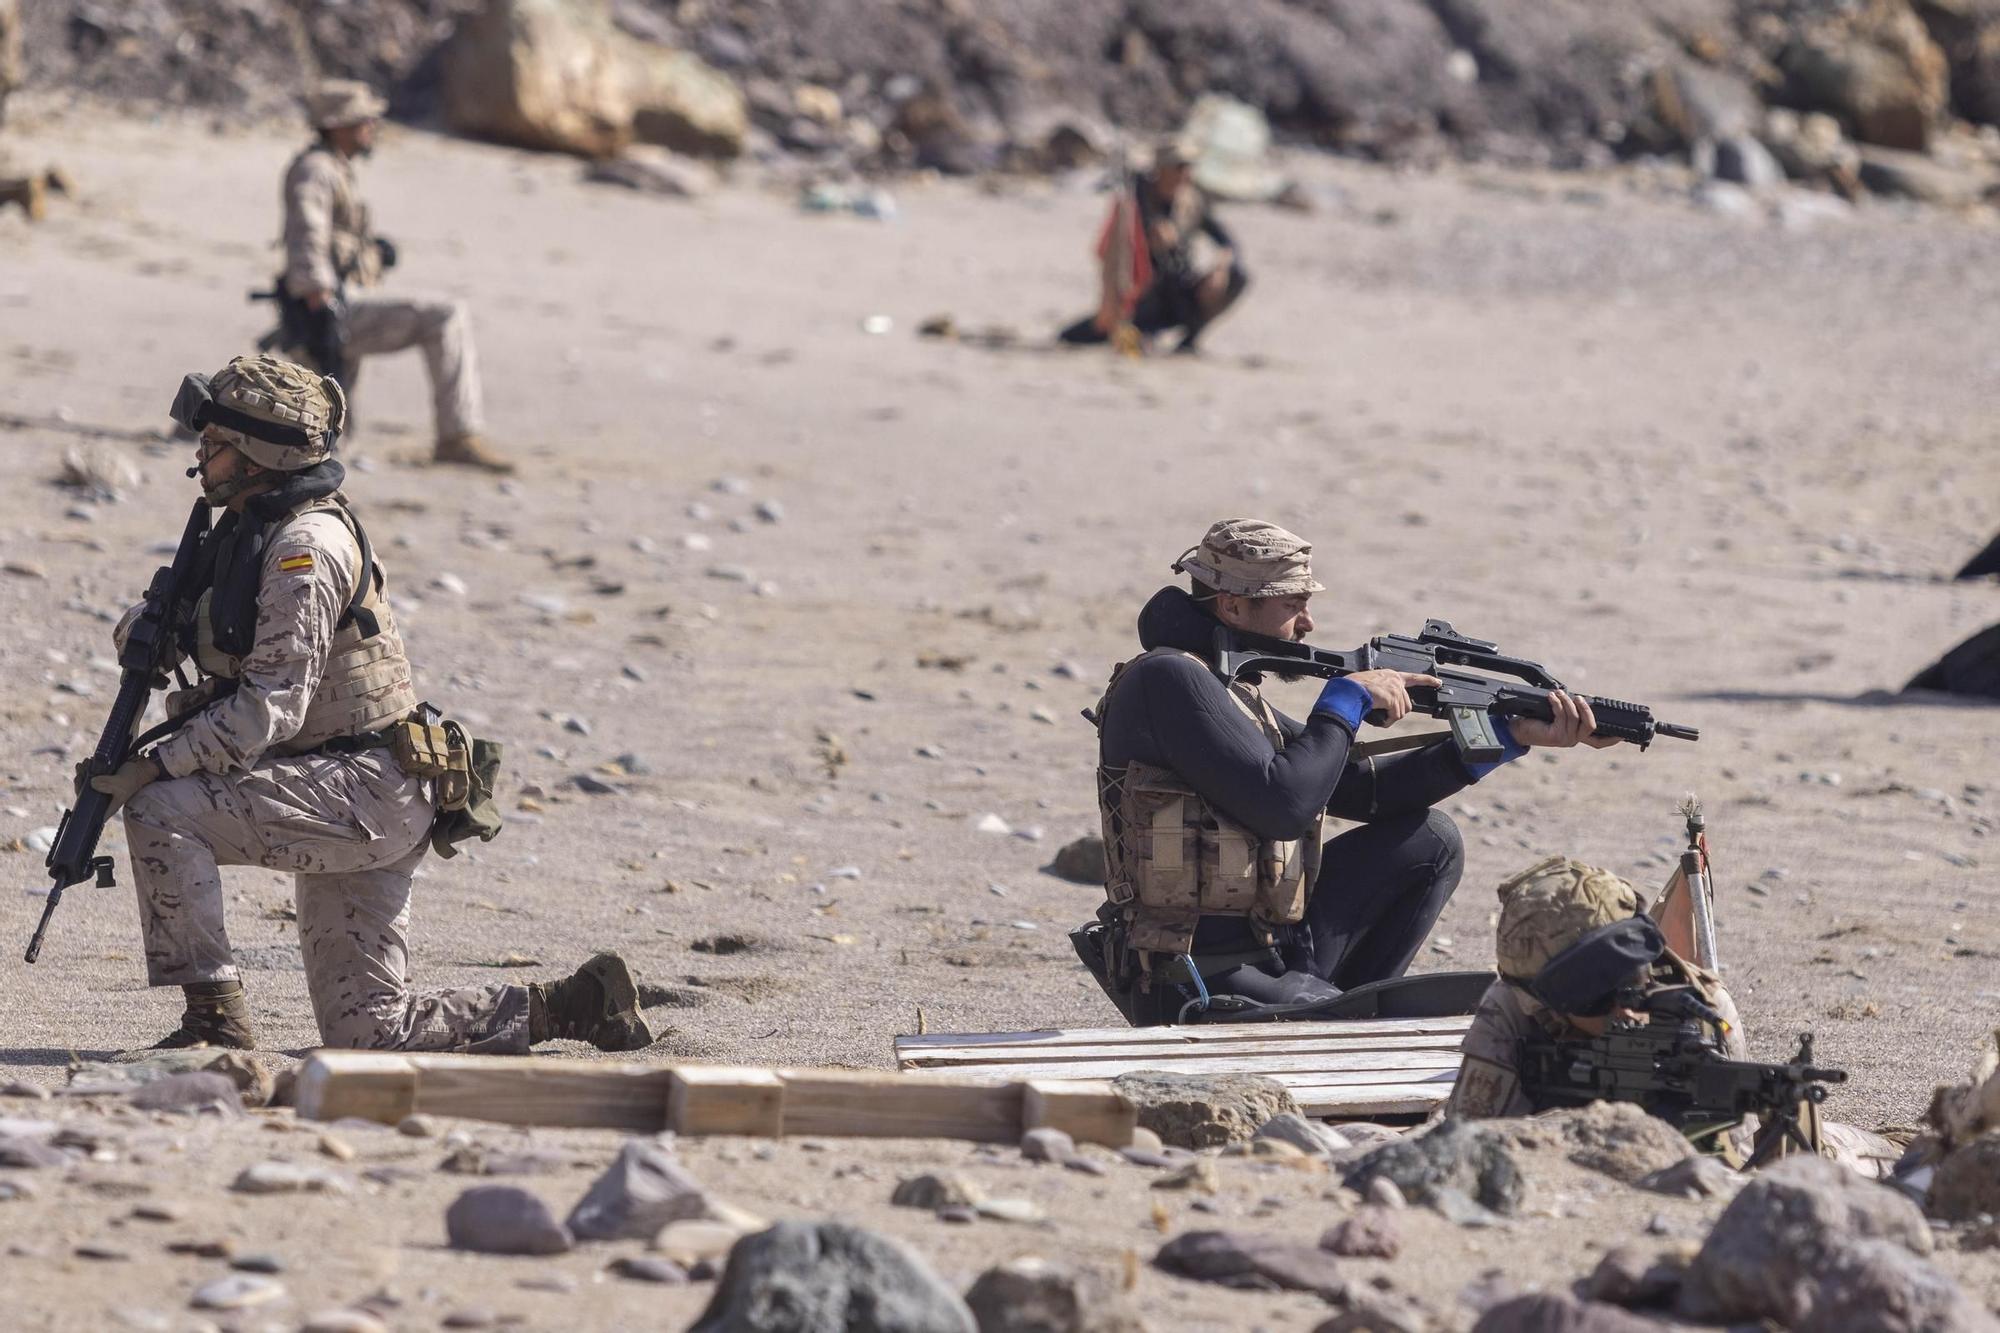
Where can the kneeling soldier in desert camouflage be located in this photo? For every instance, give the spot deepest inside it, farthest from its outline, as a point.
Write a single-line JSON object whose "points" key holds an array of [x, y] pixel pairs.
{"points": [[1543, 911], [287, 755]]}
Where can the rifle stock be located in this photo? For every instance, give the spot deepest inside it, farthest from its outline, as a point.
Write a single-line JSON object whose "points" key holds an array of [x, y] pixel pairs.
{"points": [[149, 646]]}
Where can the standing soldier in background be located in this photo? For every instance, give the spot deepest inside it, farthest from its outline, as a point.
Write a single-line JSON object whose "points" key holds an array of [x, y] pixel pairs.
{"points": [[302, 747], [330, 249]]}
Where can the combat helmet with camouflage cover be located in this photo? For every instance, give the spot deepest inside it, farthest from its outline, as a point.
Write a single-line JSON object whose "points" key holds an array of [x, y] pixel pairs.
{"points": [[1550, 905], [277, 413]]}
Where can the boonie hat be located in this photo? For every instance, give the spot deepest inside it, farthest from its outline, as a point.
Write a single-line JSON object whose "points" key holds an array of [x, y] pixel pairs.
{"points": [[1251, 558]]}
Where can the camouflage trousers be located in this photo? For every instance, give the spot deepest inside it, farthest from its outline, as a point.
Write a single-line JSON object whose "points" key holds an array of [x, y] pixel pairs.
{"points": [[381, 324], [351, 829]]}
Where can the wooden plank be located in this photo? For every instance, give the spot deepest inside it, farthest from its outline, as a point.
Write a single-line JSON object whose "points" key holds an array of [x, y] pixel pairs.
{"points": [[1367, 1103], [517, 1090], [370, 1085], [1087, 1110], [719, 1099], [878, 1104], [1281, 1033], [1000, 1055], [1315, 1067]]}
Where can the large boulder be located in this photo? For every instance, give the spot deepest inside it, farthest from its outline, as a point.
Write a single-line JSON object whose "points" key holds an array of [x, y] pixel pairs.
{"points": [[1204, 1110], [1770, 1250], [681, 102], [542, 74], [1876, 68], [643, 1189], [1618, 1139], [558, 75], [803, 1277], [1877, 1286]]}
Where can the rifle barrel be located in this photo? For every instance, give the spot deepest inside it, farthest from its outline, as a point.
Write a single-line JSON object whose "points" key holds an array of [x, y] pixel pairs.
{"points": [[1678, 732]]}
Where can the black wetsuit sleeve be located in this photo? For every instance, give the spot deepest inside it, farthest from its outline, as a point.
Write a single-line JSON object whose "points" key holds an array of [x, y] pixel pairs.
{"points": [[1173, 712], [1215, 231], [1399, 784]]}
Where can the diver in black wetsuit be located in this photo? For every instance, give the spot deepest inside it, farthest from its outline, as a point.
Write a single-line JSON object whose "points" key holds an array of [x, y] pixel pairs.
{"points": [[1213, 803]]}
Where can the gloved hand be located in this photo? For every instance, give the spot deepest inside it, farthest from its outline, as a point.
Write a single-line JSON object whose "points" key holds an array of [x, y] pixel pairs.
{"points": [[123, 784], [385, 249]]}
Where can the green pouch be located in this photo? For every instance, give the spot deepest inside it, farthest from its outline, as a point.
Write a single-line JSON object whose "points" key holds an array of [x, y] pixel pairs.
{"points": [[479, 816]]}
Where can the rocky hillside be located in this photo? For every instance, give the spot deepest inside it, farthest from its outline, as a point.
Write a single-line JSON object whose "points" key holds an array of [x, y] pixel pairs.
{"points": [[965, 84]]}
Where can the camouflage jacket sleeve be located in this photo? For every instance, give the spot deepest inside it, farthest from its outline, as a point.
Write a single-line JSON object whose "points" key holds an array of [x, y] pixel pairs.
{"points": [[309, 569], [1489, 1080], [310, 189]]}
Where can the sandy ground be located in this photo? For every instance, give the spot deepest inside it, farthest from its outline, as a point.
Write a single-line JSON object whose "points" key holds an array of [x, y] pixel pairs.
{"points": [[1710, 463]]}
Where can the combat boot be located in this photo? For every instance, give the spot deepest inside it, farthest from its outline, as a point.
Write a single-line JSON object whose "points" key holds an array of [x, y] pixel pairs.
{"points": [[598, 1003], [469, 450], [217, 1014]]}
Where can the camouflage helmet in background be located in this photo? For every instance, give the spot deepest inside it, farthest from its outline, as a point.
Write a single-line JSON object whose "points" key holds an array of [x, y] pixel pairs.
{"points": [[337, 103], [1550, 905], [304, 409]]}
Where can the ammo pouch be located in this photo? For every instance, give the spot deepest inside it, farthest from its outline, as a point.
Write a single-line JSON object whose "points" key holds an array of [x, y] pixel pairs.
{"points": [[1173, 858], [464, 770]]}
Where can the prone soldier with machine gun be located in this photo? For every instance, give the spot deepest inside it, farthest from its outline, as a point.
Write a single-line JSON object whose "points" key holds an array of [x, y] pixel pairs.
{"points": [[1592, 1004], [1222, 901]]}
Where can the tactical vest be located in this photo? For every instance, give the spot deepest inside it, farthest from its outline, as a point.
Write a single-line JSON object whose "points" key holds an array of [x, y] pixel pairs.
{"points": [[366, 684], [356, 259], [1172, 857]]}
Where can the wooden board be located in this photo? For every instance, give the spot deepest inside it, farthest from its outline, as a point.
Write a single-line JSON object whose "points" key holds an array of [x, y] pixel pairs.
{"points": [[705, 1099], [1355, 1069]]}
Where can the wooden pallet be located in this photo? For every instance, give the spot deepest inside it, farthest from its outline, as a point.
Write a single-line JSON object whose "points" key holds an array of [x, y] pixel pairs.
{"points": [[705, 1099], [1353, 1069]]}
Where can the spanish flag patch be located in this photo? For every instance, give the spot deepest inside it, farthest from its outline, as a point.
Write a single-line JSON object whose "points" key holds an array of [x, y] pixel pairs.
{"points": [[296, 564]]}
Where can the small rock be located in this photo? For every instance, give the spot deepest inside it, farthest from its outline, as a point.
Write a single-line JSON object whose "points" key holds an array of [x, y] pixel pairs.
{"points": [[830, 1275], [770, 511], [101, 1252], [1010, 1210], [1204, 1110], [1370, 1233], [1032, 1295], [191, 1093], [1385, 1193], [1460, 1155], [469, 1318], [1081, 861], [240, 1292], [287, 1178], [991, 823], [504, 1219], [1047, 1145], [1967, 1182], [1549, 1312], [941, 1189], [1312, 1136], [1241, 1259], [1199, 1174], [692, 1244], [257, 1263], [1695, 1177], [30, 1091], [343, 1321], [1629, 1276], [24, 1152], [642, 1190], [648, 1268], [417, 1127]]}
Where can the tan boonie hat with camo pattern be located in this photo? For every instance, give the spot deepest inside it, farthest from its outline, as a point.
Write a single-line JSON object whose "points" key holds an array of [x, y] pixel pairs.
{"points": [[340, 102], [1251, 558], [1550, 905]]}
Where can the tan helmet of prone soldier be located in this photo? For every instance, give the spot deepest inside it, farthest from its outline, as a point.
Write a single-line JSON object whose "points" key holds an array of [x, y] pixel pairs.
{"points": [[1552, 904], [309, 408]]}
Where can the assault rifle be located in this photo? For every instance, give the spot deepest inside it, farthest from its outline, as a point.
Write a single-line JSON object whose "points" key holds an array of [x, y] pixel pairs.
{"points": [[1670, 1062], [148, 651], [321, 334], [1467, 699]]}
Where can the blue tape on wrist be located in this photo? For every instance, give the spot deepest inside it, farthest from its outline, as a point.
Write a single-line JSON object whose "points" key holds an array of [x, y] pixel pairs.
{"points": [[1343, 699], [1510, 750]]}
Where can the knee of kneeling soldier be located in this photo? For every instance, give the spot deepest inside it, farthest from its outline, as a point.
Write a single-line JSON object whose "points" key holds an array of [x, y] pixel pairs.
{"points": [[1444, 828]]}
